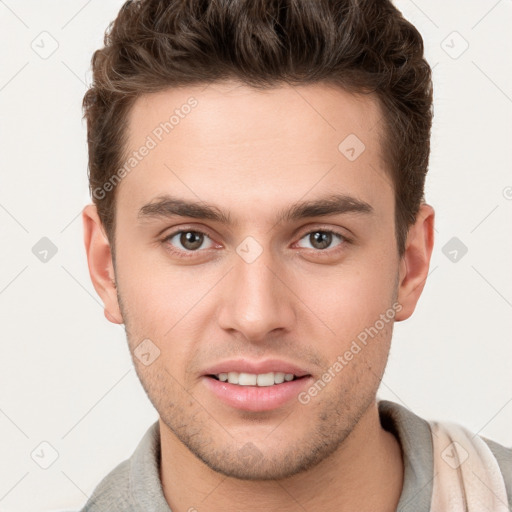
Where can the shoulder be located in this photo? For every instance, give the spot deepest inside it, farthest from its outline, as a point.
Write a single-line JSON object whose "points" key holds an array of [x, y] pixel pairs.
{"points": [[503, 455], [439, 456], [134, 484], [482, 468], [113, 492]]}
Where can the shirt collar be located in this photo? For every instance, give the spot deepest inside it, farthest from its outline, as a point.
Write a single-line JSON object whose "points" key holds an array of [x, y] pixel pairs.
{"points": [[412, 432]]}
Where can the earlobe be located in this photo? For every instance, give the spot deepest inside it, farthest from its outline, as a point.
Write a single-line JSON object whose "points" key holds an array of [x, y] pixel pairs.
{"points": [[99, 260], [415, 261]]}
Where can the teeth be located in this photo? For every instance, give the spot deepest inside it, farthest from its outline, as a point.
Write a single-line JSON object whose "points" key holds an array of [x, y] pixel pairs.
{"points": [[251, 379], [279, 377], [233, 377], [265, 379], [247, 379]]}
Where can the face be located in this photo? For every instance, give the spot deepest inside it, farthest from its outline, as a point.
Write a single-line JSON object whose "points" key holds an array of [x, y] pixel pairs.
{"points": [[253, 237]]}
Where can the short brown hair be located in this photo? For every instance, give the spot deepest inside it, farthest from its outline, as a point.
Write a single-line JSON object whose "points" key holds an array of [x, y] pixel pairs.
{"points": [[362, 46]]}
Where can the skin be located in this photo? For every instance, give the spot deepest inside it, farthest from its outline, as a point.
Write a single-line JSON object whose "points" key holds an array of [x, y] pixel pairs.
{"points": [[254, 153]]}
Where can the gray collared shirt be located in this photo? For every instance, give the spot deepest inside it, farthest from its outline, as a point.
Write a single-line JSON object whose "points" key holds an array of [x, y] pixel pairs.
{"points": [[134, 485]]}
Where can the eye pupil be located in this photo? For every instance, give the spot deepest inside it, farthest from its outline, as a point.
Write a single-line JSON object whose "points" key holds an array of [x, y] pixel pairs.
{"points": [[191, 240], [323, 238]]}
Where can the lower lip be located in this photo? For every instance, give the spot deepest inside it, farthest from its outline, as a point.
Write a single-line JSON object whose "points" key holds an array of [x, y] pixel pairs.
{"points": [[257, 398]]}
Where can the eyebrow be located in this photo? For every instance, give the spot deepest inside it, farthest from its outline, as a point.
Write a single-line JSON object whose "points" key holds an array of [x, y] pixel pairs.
{"points": [[168, 206]]}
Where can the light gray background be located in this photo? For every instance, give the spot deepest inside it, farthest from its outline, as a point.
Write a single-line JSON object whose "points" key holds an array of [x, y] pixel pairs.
{"points": [[66, 375]]}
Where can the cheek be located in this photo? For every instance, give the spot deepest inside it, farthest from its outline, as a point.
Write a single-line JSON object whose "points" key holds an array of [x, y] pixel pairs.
{"points": [[353, 296], [150, 283], [165, 303]]}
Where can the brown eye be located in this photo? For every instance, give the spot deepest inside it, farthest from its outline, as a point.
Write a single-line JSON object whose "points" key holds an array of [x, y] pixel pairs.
{"points": [[322, 239], [187, 240]]}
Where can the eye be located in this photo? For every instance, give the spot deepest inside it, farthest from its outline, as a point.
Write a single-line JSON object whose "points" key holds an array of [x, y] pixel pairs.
{"points": [[189, 240], [321, 239]]}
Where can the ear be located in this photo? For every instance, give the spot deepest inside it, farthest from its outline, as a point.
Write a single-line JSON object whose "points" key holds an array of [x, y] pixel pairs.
{"points": [[99, 259], [415, 261]]}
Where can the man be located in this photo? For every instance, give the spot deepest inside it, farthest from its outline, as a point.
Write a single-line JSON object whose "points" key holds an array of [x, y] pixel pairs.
{"points": [[257, 170]]}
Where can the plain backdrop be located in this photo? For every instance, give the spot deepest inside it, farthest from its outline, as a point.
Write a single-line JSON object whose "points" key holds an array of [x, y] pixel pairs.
{"points": [[66, 378]]}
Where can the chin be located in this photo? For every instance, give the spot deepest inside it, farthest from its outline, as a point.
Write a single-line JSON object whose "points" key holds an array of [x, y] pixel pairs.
{"points": [[269, 463]]}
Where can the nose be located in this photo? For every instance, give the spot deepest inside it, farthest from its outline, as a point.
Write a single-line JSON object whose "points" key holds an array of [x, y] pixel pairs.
{"points": [[256, 299]]}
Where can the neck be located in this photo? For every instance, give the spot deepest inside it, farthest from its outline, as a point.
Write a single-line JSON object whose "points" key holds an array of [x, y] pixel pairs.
{"points": [[365, 473]]}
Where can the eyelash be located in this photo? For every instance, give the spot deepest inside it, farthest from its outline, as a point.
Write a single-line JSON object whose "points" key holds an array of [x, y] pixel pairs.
{"points": [[187, 253]]}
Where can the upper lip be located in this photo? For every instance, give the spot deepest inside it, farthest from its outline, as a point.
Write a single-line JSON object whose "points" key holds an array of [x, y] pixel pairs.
{"points": [[255, 367]]}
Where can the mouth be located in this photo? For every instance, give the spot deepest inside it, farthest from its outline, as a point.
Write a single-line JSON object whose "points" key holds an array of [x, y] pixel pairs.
{"points": [[253, 385], [253, 379], [257, 392]]}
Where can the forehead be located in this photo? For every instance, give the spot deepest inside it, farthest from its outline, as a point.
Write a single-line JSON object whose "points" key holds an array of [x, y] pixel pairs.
{"points": [[228, 142], [231, 112]]}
